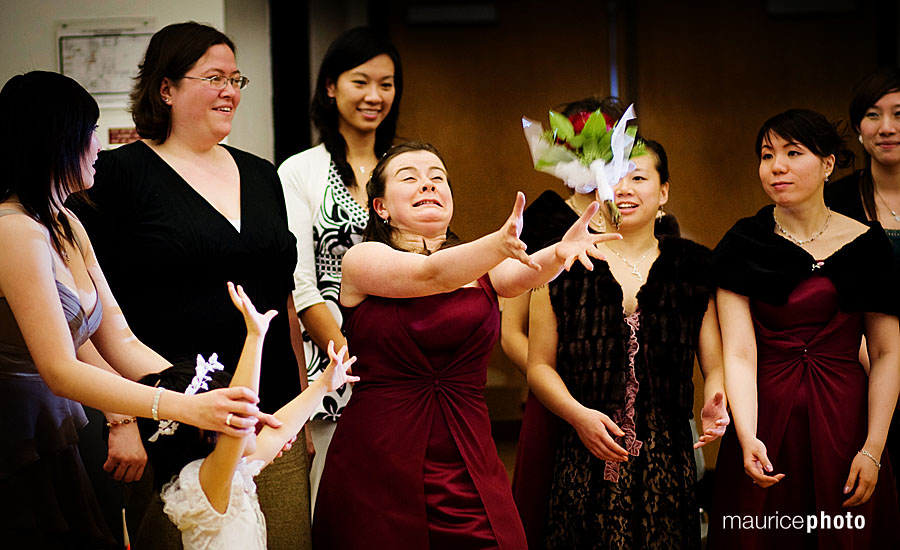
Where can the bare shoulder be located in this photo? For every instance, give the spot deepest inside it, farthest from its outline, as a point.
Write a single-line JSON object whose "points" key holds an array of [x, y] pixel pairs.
{"points": [[367, 251], [20, 225]]}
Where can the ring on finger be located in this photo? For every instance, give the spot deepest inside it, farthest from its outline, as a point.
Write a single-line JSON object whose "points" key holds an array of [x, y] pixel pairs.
{"points": [[228, 420]]}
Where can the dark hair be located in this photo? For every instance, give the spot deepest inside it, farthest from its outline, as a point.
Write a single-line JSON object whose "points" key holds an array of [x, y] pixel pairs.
{"points": [[50, 122], [379, 230], [170, 453], [351, 49], [867, 92], [662, 160], [172, 51], [810, 129], [610, 105]]}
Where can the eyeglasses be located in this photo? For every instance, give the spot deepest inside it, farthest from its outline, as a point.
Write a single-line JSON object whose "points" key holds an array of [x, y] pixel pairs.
{"points": [[219, 81]]}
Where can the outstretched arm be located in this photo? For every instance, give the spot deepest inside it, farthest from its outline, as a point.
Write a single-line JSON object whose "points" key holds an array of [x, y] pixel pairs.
{"points": [[295, 414], [217, 470], [376, 269], [511, 278], [27, 283]]}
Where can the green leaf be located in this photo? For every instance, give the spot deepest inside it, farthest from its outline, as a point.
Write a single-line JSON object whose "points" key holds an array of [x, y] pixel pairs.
{"points": [[595, 127], [638, 149], [561, 126], [577, 141]]}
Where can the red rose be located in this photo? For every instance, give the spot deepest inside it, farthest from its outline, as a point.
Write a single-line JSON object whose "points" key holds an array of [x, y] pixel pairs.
{"points": [[578, 121]]}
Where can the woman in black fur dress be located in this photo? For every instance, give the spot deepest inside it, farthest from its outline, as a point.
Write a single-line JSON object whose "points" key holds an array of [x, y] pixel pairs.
{"points": [[611, 351]]}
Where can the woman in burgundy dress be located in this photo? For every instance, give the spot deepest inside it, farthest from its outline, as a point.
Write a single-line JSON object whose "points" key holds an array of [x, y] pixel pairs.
{"points": [[799, 287], [412, 464]]}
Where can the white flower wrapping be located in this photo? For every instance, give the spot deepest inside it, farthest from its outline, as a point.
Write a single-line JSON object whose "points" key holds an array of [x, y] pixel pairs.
{"points": [[564, 164]]}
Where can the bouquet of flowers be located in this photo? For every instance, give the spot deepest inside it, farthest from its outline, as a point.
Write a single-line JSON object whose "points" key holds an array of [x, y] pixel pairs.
{"points": [[585, 152]]}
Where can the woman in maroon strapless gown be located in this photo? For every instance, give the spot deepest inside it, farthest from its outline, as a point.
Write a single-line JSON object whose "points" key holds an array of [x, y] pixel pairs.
{"points": [[412, 464], [799, 287]]}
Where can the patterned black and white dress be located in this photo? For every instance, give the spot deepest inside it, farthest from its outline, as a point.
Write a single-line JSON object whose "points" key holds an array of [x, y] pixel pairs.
{"points": [[337, 225]]}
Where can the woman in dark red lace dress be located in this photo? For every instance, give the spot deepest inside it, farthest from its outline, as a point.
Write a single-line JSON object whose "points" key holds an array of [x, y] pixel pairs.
{"points": [[412, 464], [799, 287]]}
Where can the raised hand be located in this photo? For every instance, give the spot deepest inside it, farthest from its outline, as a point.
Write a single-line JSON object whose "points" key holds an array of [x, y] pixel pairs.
{"points": [[864, 476], [713, 420], [594, 429], [579, 244], [335, 374], [512, 246], [256, 322], [757, 465]]}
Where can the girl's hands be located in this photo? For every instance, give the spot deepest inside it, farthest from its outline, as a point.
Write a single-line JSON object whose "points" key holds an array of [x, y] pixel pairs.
{"points": [[256, 323], [756, 464], [713, 420], [594, 429], [579, 244], [864, 476], [335, 374]]}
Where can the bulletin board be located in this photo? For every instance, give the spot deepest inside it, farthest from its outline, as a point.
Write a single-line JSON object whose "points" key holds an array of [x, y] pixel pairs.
{"points": [[103, 54]]}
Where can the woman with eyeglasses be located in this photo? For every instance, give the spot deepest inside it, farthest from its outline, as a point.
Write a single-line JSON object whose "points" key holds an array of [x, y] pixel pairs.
{"points": [[176, 215]]}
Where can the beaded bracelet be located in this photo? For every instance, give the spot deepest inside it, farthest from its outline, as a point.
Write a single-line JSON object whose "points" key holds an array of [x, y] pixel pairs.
{"points": [[869, 455], [112, 423]]}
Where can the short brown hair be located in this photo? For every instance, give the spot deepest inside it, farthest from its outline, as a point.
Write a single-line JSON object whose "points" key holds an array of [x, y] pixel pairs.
{"points": [[172, 51]]}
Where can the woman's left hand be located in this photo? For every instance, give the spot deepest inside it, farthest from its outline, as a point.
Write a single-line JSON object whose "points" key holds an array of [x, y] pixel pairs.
{"points": [[126, 457], [580, 244], [713, 420], [863, 476]]}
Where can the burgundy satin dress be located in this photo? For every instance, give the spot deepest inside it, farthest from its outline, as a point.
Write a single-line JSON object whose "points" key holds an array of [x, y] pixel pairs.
{"points": [[412, 464], [813, 420]]}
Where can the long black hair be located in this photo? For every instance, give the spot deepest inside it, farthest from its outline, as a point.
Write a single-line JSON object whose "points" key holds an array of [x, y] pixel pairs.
{"points": [[867, 93], [380, 230], [50, 122], [351, 49]]}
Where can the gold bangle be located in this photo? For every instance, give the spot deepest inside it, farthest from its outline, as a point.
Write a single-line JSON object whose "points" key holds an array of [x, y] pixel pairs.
{"points": [[867, 454], [112, 423]]}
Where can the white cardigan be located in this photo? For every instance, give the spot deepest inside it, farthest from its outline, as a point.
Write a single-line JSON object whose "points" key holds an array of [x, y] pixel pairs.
{"points": [[304, 177]]}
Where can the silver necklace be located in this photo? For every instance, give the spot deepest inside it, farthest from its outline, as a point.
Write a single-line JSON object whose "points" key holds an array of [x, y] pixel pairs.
{"points": [[633, 266], [893, 213], [794, 239]]}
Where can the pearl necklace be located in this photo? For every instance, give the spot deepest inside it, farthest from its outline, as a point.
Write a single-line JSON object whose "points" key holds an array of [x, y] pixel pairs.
{"points": [[633, 266], [893, 213], [797, 241]]}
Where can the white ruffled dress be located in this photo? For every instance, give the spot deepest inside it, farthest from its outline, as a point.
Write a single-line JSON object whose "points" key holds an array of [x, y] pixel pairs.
{"points": [[242, 526]]}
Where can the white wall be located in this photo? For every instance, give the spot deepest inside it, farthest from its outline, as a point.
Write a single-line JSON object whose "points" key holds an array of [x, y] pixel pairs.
{"points": [[28, 42]]}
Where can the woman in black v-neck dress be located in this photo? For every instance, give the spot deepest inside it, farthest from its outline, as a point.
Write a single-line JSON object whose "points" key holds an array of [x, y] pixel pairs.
{"points": [[176, 215]]}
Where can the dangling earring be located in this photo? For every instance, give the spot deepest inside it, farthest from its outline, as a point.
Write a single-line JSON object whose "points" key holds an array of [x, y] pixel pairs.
{"points": [[860, 139], [386, 221], [660, 214], [331, 100]]}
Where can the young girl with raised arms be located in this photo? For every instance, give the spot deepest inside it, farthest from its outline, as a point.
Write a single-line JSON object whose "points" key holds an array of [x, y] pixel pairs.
{"points": [[213, 499]]}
